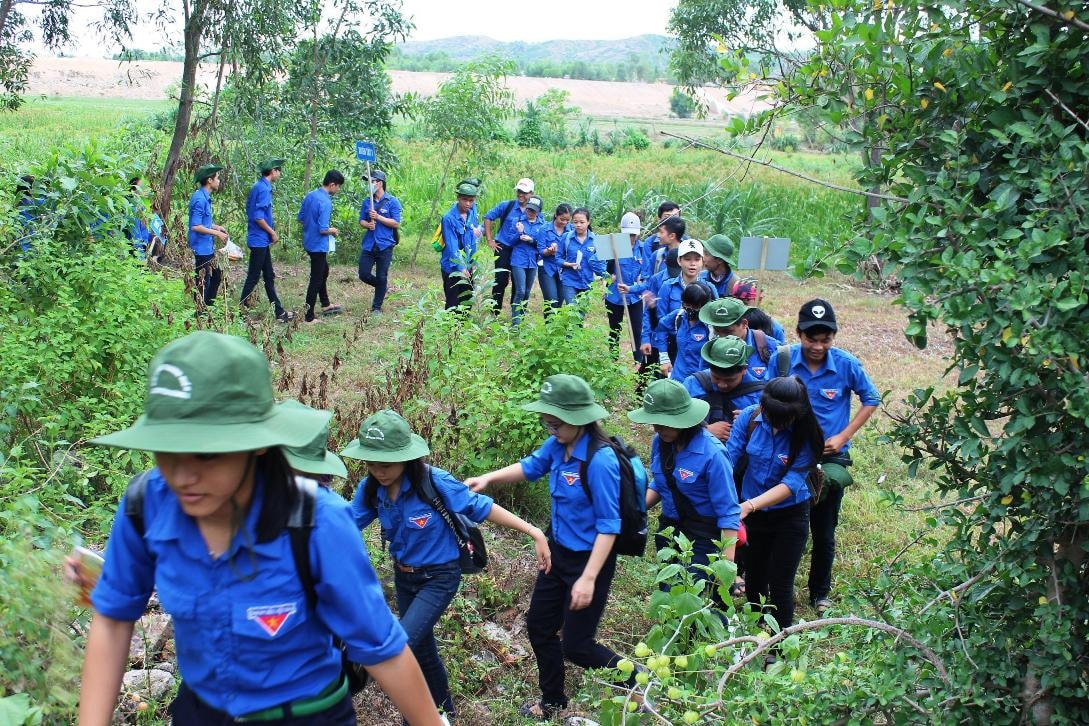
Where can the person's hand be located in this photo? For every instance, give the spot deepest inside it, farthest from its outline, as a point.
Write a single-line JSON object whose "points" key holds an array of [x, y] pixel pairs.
{"points": [[648, 299], [221, 234], [667, 368], [835, 444], [582, 592], [646, 349], [549, 251], [720, 429], [623, 289], [333, 231], [373, 215], [73, 570], [747, 508], [477, 483], [273, 237], [520, 227], [494, 245], [477, 231], [544, 554]]}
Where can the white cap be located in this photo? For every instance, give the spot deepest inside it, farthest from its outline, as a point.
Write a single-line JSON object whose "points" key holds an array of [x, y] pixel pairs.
{"points": [[630, 224], [524, 185], [688, 246]]}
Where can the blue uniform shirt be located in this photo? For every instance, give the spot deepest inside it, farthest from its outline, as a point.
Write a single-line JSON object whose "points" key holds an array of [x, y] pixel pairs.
{"points": [[381, 237], [696, 390], [259, 206], [769, 453], [575, 523], [629, 269], [831, 386], [590, 266], [669, 299], [418, 536], [762, 370], [651, 261], [691, 337], [652, 285], [703, 474], [548, 237], [200, 212], [524, 254], [460, 238], [247, 644], [315, 213], [506, 235]]}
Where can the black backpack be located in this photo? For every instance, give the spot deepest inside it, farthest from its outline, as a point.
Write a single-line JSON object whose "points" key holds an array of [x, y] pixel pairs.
{"points": [[632, 539], [722, 408], [300, 523]]}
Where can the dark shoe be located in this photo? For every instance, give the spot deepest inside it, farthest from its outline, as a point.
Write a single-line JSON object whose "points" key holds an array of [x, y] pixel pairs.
{"points": [[332, 310], [821, 605], [539, 710], [286, 316]]}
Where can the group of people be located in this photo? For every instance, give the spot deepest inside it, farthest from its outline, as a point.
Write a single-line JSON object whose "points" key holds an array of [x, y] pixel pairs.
{"points": [[379, 217]]}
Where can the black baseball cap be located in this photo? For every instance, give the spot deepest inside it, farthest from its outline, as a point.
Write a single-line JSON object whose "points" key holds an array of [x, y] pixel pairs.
{"points": [[817, 312]]}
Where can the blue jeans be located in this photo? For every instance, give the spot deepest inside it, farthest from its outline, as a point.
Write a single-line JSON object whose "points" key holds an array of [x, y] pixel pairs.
{"points": [[570, 295], [422, 596], [523, 278], [550, 290], [368, 259]]}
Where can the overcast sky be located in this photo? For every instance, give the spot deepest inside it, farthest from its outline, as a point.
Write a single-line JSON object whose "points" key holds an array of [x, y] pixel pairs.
{"points": [[499, 19]]}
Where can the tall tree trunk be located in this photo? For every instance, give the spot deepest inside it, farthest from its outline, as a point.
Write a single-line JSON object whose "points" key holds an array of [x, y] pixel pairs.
{"points": [[5, 11], [312, 140], [435, 199], [194, 25]]}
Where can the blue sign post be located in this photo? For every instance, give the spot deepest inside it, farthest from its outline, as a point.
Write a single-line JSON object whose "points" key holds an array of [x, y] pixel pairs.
{"points": [[365, 151]]}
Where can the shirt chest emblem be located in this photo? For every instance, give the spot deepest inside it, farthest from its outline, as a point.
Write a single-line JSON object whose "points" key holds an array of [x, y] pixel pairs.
{"points": [[783, 459], [420, 520], [271, 618], [830, 393], [571, 477], [758, 372], [698, 337], [685, 474]]}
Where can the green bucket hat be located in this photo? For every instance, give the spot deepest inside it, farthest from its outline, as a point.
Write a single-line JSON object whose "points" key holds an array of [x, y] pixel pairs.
{"points": [[726, 352], [722, 312], [313, 458], [210, 393], [569, 399], [668, 403], [465, 189], [720, 246], [386, 436], [206, 172], [269, 164], [837, 474]]}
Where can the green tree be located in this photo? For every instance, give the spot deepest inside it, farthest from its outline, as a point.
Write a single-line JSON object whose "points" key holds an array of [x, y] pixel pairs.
{"points": [[681, 104], [530, 134]]}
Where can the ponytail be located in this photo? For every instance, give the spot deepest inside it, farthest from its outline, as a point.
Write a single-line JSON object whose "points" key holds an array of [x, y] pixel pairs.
{"points": [[785, 404]]}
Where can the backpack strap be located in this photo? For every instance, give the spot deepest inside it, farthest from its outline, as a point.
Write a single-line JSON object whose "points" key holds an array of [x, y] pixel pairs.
{"points": [[584, 466], [505, 214], [429, 492], [782, 360], [753, 423], [134, 501], [746, 388], [761, 339], [300, 523], [715, 398]]}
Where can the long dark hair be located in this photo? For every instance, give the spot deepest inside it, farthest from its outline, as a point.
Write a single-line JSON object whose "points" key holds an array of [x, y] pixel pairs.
{"points": [[415, 470], [785, 405], [280, 496]]}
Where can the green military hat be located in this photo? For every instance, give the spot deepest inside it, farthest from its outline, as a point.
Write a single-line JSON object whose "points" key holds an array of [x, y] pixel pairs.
{"points": [[385, 436], [269, 164], [726, 352], [206, 172], [568, 398], [720, 246], [467, 189], [837, 474], [722, 312], [313, 458], [210, 393], [668, 403]]}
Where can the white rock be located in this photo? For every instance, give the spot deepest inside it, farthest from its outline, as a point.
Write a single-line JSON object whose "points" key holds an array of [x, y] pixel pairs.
{"points": [[148, 685], [497, 634], [149, 637], [579, 721]]}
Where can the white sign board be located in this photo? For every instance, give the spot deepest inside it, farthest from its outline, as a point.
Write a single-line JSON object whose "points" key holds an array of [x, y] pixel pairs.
{"points": [[763, 253], [613, 246]]}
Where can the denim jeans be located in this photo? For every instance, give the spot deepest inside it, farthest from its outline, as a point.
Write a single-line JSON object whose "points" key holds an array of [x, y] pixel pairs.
{"points": [[776, 544], [422, 597], [261, 266], [523, 278], [370, 259], [823, 519], [188, 710], [550, 290]]}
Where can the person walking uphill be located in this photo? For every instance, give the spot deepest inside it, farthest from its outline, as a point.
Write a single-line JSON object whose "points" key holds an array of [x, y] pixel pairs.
{"points": [[201, 232], [459, 237], [316, 215], [380, 215], [414, 501], [258, 572], [503, 236], [571, 597], [261, 235]]}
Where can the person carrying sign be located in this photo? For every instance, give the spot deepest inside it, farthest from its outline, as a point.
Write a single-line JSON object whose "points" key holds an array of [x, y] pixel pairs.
{"points": [[380, 215]]}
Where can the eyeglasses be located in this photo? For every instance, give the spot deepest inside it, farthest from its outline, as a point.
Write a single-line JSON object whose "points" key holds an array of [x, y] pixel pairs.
{"points": [[551, 426], [691, 310]]}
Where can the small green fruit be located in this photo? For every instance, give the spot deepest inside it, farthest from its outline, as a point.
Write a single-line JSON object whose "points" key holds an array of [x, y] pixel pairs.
{"points": [[674, 693], [632, 705], [796, 675], [663, 672], [681, 661], [642, 678], [710, 651], [642, 650], [690, 717], [625, 666]]}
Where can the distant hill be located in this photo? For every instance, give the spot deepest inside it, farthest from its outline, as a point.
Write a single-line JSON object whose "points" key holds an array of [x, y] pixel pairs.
{"points": [[642, 58]]}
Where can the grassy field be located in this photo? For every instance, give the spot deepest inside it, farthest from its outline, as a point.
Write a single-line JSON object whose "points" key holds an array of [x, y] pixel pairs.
{"points": [[718, 194]]}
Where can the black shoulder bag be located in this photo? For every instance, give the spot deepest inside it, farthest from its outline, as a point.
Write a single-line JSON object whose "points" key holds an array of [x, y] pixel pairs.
{"points": [[472, 555], [693, 524]]}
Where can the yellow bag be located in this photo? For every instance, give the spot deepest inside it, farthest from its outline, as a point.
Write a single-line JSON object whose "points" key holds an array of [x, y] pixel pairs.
{"points": [[438, 242]]}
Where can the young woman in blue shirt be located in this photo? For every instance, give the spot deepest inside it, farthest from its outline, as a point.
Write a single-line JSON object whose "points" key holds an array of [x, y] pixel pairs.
{"points": [[783, 447], [210, 530], [426, 570], [551, 246], [571, 596], [523, 257], [580, 262]]}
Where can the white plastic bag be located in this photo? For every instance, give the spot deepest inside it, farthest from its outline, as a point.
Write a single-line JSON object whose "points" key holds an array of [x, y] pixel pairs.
{"points": [[233, 251]]}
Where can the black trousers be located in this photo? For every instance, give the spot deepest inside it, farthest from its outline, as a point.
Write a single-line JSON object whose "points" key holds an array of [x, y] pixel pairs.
{"points": [[502, 277], [550, 614], [261, 266], [776, 543], [823, 519], [319, 274], [208, 277], [456, 289], [635, 321]]}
